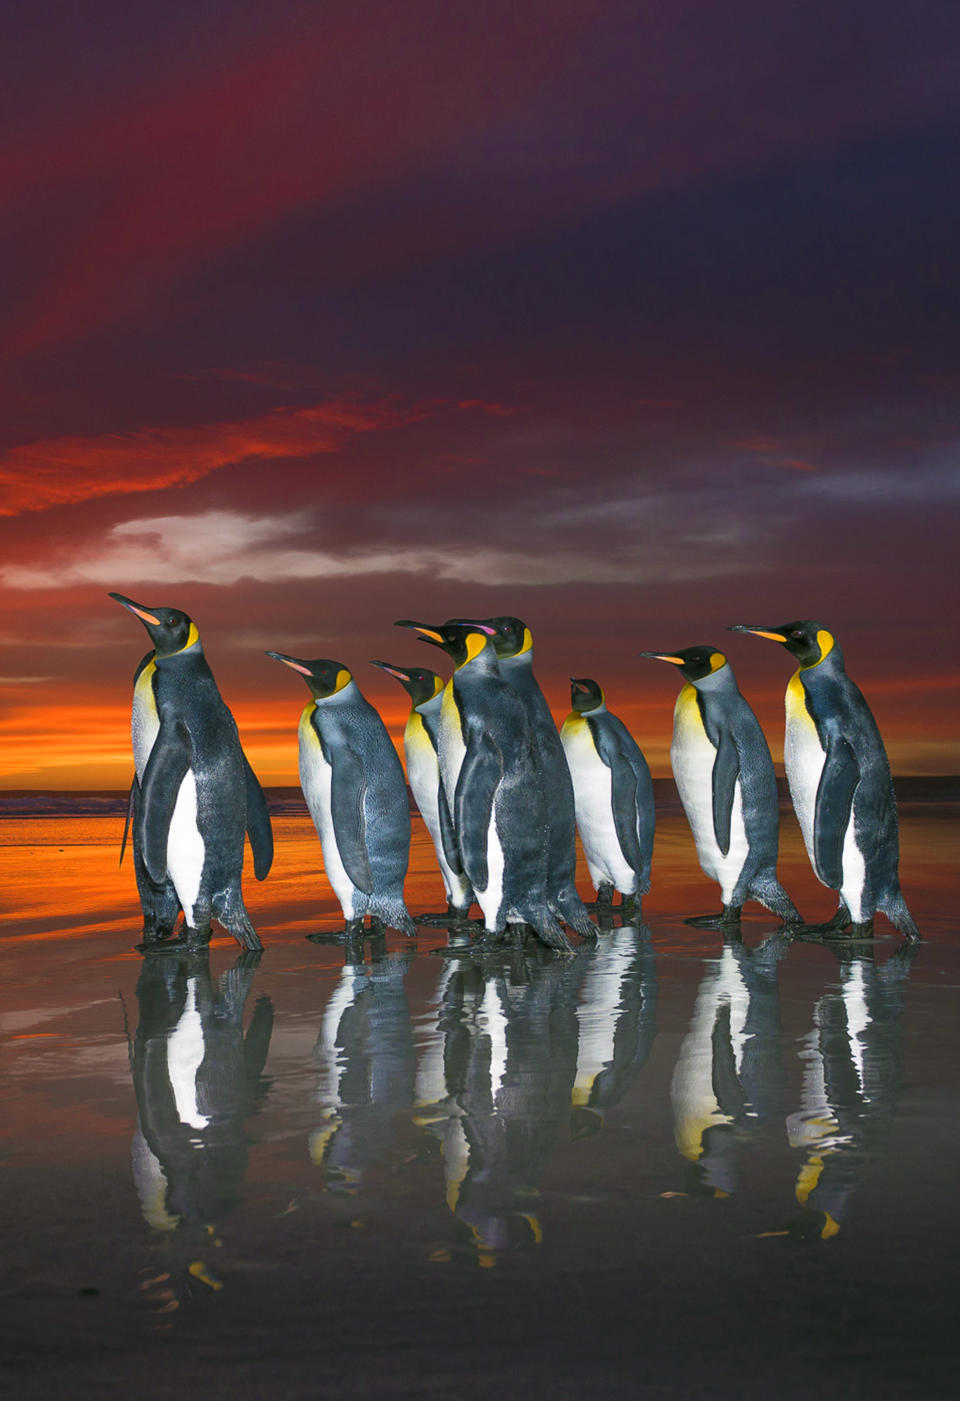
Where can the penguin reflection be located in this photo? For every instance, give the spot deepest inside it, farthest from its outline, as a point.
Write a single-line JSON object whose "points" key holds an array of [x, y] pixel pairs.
{"points": [[852, 1072], [197, 1079], [509, 1062], [730, 1075], [365, 1058], [616, 1018]]}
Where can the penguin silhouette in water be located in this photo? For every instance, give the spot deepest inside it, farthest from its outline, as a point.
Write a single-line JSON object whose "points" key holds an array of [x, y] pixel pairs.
{"points": [[614, 797], [420, 741], [197, 1077], [194, 794], [730, 1076], [852, 1077], [365, 1070], [840, 783], [513, 644], [494, 785], [353, 784], [617, 1022], [725, 777]]}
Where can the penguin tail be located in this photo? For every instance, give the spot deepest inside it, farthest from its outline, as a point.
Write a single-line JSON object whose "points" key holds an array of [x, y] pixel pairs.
{"points": [[546, 928], [394, 913], [232, 914], [895, 909]]}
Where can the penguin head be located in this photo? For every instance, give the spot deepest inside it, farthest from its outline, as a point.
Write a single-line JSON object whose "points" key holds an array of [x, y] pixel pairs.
{"points": [[585, 694], [324, 677], [695, 663], [511, 636], [809, 641], [419, 682], [453, 638], [171, 631]]}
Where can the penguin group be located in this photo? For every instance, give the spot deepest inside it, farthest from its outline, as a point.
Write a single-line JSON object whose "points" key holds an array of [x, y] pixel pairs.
{"points": [[503, 793]]}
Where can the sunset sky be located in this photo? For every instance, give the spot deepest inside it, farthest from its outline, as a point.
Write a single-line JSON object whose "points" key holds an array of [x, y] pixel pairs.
{"points": [[635, 320]]}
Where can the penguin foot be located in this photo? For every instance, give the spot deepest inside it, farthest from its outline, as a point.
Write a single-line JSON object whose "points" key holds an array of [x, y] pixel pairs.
{"points": [[730, 914], [604, 899], [172, 946]]}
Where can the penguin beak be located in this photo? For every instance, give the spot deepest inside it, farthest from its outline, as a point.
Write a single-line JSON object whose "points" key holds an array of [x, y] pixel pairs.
{"points": [[664, 657], [141, 613], [757, 631], [427, 634], [579, 685], [290, 662], [393, 671]]}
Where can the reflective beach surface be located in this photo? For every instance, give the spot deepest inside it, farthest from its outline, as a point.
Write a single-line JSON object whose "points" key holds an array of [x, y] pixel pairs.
{"points": [[663, 1166]]}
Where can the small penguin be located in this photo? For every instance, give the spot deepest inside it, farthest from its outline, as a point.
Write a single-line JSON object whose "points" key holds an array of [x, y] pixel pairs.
{"points": [[494, 785], [513, 644], [425, 689], [353, 783], [614, 796], [724, 773], [840, 783], [195, 793]]}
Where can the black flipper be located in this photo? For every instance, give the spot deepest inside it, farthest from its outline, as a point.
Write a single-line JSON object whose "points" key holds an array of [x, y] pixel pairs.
{"points": [[131, 804], [448, 836], [838, 783], [259, 829], [168, 763], [347, 791], [726, 771], [480, 775]]}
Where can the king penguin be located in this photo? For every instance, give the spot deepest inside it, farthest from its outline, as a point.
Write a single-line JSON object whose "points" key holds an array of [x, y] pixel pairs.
{"points": [[614, 797], [420, 744], [513, 644], [725, 777], [353, 783], [840, 783], [494, 786], [194, 794]]}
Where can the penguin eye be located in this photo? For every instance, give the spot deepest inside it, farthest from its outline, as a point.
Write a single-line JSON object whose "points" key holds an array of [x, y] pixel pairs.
{"points": [[798, 635], [171, 622]]}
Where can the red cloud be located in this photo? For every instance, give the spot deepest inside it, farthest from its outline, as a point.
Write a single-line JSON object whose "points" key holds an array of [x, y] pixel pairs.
{"points": [[61, 471]]}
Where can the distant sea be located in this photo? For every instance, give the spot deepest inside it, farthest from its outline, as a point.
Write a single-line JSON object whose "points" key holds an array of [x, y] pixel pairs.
{"points": [[911, 791]]}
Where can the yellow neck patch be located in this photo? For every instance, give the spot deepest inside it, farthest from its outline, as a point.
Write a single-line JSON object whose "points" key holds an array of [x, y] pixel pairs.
{"points": [[193, 637], [527, 642], [344, 678], [825, 642], [717, 660], [476, 641]]}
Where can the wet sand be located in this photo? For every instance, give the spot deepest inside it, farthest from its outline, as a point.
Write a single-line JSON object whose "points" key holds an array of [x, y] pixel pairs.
{"points": [[663, 1167]]}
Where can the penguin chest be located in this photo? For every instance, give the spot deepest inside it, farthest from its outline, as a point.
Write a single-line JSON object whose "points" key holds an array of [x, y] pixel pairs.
{"points": [[452, 746], [145, 721], [316, 780], [186, 852], [593, 803], [423, 771], [693, 756], [803, 759]]}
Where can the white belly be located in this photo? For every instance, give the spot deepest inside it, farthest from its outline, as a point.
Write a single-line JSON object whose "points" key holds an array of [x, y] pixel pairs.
{"points": [[693, 757], [692, 1094], [803, 759], [185, 849], [316, 780], [450, 745], [491, 897], [592, 789], [423, 775]]}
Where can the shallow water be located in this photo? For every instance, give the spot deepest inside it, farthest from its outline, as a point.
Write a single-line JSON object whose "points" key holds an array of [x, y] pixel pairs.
{"points": [[663, 1167]]}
